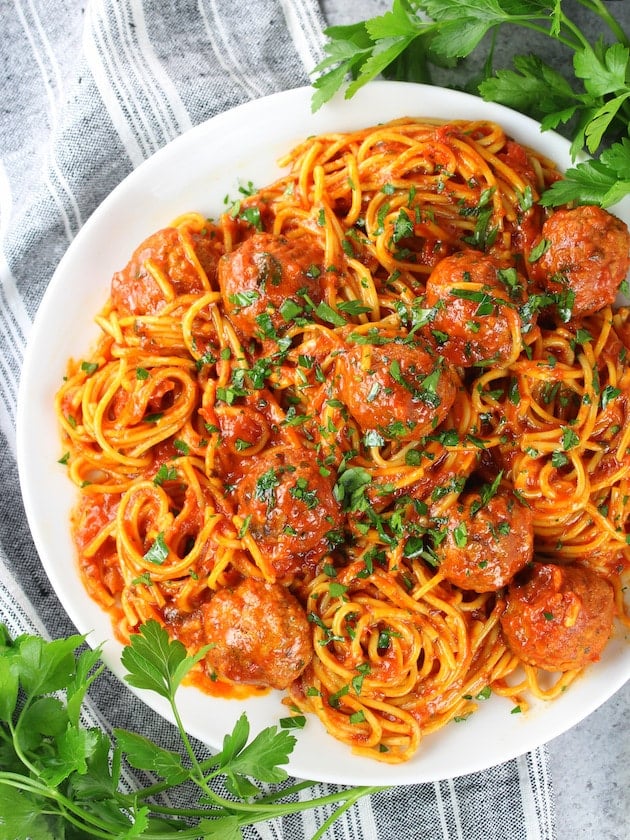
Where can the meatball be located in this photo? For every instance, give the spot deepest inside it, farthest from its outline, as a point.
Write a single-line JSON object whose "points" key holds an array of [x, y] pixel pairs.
{"points": [[262, 274], [259, 634], [290, 509], [474, 320], [587, 253], [401, 389], [558, 617], [486, 544], [135, 291]]}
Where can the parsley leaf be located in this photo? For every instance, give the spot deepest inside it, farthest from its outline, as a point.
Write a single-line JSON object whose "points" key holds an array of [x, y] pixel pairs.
{"points": [[604, 181], [463, 23], [533, 87], [363, 50], [60, 779], [155, 662], [351, 487], [158, 551]]}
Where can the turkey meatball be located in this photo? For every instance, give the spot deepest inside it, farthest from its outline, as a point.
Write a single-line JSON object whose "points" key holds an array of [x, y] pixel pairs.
{"points": [[401, 389], [135, 290], [558, 618], [486, 544], [290, 509], [474, 319], [258, 634], [262, 275], [586, 253]]}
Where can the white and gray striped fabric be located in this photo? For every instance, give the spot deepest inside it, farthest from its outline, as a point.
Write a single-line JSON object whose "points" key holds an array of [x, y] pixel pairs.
{"points": [[90, 89]]}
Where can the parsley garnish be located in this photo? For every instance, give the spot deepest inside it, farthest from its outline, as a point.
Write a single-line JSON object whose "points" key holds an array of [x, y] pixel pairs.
{"points": [[265, 490], [165, 473], [353, 307], [158, 552], [609, 393], [460, 535], [89, 368], [181, 446], [64, 778], [302, 493], [403, 226], [409, 38], [486, 492], [351, 487], [329, 315], [570, 438], [373, 438], [486, 302], [246, 298], [337, 590]]}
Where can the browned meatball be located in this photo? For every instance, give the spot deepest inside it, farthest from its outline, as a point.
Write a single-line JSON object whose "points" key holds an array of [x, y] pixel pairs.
{"points": [[259, 634], [262, 274], [402, 390], [558, 617], [474, 319], [134, 290], [290, 509], [587, 254], [486, 544]]}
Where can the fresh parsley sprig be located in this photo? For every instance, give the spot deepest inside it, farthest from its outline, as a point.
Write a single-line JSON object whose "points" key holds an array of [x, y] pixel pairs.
{"points": [[62, 779], [592, 107]]}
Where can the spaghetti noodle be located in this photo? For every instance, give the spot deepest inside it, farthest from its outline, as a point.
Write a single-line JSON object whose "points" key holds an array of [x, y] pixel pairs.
{"points": [[331, 433]]}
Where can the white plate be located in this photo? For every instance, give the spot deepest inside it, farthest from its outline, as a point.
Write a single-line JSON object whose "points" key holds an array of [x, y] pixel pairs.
{"points": [[196, 172]]}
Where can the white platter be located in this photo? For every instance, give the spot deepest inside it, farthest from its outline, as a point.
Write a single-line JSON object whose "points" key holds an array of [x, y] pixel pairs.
{"points": [[196, 172]]}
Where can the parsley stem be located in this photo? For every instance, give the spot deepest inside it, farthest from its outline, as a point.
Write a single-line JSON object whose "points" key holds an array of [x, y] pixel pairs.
{"points": [[285, 792], [24, 783], [582, 41], [203, 767], [86, 823], [598, 8], [579, 41], [190, 813], [197, 773], [15, 730], [347, 797], [264, 809], [65, 808], [357, 794], [159, 787]]}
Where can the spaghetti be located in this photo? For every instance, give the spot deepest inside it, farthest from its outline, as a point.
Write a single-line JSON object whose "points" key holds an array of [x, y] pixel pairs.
{"points": [[331, 434]]}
